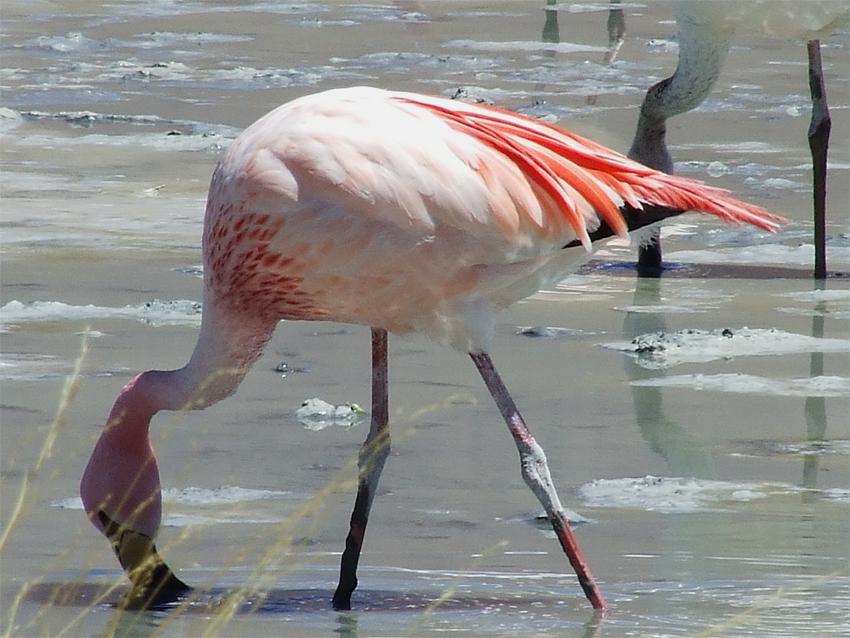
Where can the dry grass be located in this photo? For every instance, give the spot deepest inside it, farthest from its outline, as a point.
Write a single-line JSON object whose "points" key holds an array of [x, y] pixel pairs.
{"points": [[26, 494], [276, 561]]}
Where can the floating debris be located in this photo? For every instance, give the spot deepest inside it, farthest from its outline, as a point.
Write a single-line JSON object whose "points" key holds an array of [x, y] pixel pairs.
{"points": [[676, 495], [541, 519], [157, 312], [317, 414], [465, 94], [284, 369], [659, 350], [549, 332]]}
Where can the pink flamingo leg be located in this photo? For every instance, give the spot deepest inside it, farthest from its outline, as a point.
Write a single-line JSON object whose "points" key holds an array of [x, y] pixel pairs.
{"points": [[535, 472], [370, 463]]}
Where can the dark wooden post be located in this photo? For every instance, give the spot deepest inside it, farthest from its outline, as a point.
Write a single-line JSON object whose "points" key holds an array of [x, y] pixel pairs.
{"points": [[818, 144]]}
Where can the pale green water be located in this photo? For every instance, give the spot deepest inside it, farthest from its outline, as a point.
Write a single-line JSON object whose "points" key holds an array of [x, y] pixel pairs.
{"points": [[105, 211]]}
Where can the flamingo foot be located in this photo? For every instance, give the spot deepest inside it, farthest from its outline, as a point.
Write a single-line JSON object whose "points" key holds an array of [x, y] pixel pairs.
{"points": [[157, 587], [649, 258]]}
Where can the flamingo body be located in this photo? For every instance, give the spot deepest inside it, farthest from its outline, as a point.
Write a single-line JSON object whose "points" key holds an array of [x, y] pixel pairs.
{"points": [[411, 213], [394, 210]]}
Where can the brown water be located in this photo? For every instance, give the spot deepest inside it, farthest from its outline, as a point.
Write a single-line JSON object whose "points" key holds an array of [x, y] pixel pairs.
{"points": [[745, 533]]}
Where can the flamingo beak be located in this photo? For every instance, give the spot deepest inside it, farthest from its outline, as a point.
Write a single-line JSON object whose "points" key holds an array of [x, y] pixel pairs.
{"points": [[153, 581]]}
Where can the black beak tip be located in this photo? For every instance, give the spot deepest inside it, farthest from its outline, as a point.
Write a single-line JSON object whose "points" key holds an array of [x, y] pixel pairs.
{"points": [[160, 588], [154, 584]]}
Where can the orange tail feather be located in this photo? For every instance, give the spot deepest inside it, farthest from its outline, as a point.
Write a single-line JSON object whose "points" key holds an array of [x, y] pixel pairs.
{"points": [[560, 162]]}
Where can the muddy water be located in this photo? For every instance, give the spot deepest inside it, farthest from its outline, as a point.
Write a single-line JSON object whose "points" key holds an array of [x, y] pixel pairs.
{"points": [[711, 463]]}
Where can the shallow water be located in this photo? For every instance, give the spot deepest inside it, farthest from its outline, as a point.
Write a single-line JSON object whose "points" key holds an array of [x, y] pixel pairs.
{"points": [[711, 462]]}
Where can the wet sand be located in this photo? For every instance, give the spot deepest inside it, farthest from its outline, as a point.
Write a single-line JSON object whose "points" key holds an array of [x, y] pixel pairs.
{"points": [[106, 213]]}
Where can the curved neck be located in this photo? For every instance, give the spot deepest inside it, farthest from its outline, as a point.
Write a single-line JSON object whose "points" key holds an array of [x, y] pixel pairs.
{"points": [[703, 44], [227, 346], [120, 485]]}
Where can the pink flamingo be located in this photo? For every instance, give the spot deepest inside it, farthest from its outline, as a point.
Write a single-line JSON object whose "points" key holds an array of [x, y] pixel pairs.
{"points": [[402, 212]]}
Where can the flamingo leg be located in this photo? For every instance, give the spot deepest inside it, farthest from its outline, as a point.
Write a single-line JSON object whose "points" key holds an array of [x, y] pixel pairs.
{"points": [[649, 257], [370, 463], [535, 472]]}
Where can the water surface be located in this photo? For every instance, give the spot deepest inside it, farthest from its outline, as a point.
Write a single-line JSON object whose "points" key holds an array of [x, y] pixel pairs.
{"points": [[710, 461]]}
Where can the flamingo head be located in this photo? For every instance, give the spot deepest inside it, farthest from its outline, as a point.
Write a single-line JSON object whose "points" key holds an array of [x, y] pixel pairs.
{"points": [[121, 494]]}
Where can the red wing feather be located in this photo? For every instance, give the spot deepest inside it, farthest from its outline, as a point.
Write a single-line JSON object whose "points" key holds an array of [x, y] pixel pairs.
{"points": [[555, 159]]}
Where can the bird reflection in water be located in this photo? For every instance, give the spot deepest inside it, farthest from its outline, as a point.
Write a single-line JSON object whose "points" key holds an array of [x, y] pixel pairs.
{"points": [[616, 26], [815, 406], [684, 454]]}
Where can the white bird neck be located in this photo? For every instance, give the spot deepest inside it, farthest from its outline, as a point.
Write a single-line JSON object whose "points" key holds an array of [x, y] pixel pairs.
{"points": [[703, 45]]}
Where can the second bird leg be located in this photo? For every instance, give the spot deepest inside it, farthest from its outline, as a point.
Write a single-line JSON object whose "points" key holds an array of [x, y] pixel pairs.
{"points": [[818, 144], [535, 472], [370, 464]]}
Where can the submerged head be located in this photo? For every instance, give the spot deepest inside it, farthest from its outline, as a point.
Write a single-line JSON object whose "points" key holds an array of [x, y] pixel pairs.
{"points": [[121, 494]]}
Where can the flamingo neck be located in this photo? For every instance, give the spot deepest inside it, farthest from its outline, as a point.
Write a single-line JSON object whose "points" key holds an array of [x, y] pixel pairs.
{"points": [[121, 485], [703, 44], [227, 346]]}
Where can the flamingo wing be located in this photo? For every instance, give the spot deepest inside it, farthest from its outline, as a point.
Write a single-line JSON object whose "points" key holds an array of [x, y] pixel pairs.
{"points": [[579, 173], [373, 158], [422, 164]]}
